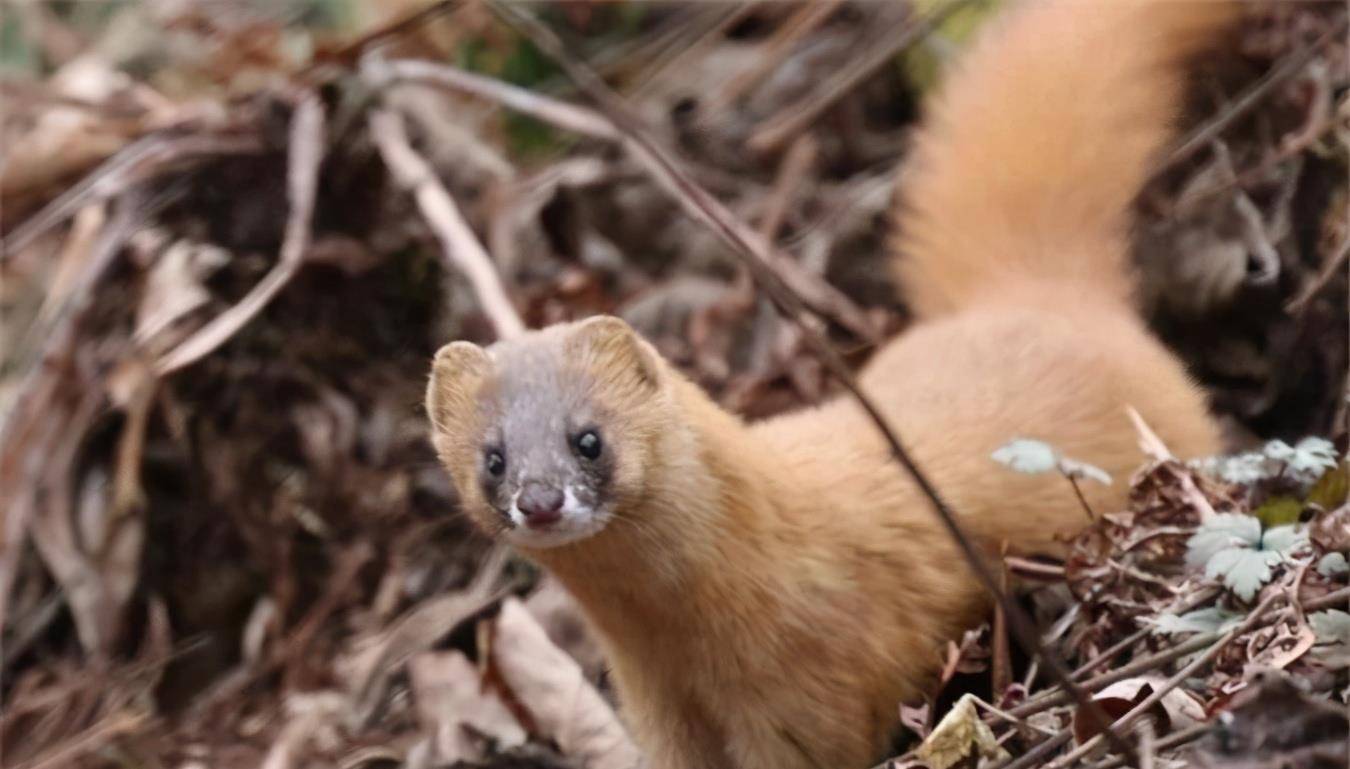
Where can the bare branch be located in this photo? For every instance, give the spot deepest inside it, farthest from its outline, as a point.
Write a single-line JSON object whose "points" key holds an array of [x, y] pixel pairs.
{"points": [[794, 118], [819, 295], [1123, 723], [381, 73], [140, 161], [459, 244], [302, 177], [1211, 129]]}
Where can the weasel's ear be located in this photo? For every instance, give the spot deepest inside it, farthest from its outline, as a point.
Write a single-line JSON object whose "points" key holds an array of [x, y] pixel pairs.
{"points": [[456, 373], [614, 354]]}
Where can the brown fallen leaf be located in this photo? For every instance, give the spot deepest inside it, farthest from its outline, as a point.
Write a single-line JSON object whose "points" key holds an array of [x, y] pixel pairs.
{"points": [[558, 613], [565, 706], [1177, 710], [452, 705]]}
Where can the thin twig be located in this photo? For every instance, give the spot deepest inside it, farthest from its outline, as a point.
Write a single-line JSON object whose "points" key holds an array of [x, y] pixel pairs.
{"points": [[1333, 265], [806, 18], [1123, 723], [381, 73], [796, 117], [1173, 740], [819, 295], [1056, 698], [791, 172], [138, 162], [1198, 599], [755, 254], [1154, 447], [378, 36], [458, 243], [36, 416], [302, 180], [1147, 745], [1211, 129]]}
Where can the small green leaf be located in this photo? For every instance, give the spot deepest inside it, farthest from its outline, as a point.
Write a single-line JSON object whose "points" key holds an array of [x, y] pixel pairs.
{"points": [[1072, 468], [1285, 540], [1279, 451], [1221, 532], [1332, 564], [1211, 620], [1027, 456], [1244, 468], [1332, 489], [1243, 570], [1278, 511], [1331, 627], [1313, 457]]}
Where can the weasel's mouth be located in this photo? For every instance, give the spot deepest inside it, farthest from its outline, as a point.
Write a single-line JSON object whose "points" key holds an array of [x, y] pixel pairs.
{"points": [[573, 522]]}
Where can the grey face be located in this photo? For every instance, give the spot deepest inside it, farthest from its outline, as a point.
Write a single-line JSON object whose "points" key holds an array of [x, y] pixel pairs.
{"points": [[544, 462]]}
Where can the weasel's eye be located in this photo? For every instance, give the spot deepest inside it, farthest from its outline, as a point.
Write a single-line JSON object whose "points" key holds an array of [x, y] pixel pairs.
{"points": [[496, 463], [588, 444]]}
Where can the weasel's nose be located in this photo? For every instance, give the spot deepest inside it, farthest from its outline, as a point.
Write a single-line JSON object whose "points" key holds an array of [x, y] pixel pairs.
{"points": [[542, 504]]}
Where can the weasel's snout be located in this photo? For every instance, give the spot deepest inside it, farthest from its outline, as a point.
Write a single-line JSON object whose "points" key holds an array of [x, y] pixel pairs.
{"points": [[541, 503]]}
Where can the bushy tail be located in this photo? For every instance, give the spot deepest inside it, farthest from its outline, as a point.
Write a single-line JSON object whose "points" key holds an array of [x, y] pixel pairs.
{"points": [[1037, 144]]}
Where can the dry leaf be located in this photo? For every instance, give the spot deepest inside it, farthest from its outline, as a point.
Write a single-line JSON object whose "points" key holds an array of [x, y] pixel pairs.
{"points": [[173, 288], [1177, 709], [557, 611], [449, 697], [564, 705], [957, 734]]}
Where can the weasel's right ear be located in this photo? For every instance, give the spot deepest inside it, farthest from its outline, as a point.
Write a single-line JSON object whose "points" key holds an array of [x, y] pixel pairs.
{"points": [[456, 374], [615, 355]]}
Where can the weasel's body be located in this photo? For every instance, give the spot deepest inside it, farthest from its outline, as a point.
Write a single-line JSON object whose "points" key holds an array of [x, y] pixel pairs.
{"points": [[769, 593]]}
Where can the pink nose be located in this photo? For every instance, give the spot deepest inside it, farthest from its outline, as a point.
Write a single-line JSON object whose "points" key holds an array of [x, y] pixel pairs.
{"points": [[541, 504]]}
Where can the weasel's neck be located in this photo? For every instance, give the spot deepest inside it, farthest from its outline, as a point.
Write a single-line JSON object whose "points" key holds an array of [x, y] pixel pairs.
{"points": [[711, 523]]}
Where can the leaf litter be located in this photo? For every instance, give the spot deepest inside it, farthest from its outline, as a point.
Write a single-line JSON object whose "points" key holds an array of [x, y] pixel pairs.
{"points": [[227, 542]]}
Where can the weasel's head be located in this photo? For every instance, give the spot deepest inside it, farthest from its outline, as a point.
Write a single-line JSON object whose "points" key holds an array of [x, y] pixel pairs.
{"points": [[549, 436]]}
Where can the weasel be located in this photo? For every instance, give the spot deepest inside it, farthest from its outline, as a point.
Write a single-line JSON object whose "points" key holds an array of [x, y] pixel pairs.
{"points": [[769, 593]]}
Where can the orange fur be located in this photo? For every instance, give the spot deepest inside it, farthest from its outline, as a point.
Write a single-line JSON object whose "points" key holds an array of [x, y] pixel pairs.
{"points": [[769, 593]]}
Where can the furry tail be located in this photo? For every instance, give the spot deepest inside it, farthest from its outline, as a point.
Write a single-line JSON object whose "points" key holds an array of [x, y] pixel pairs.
{"points": [[1037, 145]]}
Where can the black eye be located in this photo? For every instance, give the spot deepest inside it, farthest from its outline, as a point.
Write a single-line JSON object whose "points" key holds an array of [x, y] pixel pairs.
{"points": [[588, 444], [496, 463]]}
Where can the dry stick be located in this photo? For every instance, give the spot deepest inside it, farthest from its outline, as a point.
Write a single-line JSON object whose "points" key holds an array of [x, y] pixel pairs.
{"points": [[1211, 129], [702, 39], [1166, 687], [805, 19], [754, 253], [31, 426], [1147, 745], [302, 179], [379, 35], [139, 161], [796, 163], [1334, 263], [458, 243], [820, 296], [1154, 447], [1137, 667], [1173, 740], [382, 72], [794, 118], [1203, 597]]}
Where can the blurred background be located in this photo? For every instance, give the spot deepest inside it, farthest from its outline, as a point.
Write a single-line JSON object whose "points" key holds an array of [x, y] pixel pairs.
{"points": [[227, 261]]}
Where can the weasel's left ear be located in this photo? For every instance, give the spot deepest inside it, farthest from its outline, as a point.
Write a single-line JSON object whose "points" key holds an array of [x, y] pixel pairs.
{"points": [[456, 374], [614, 354]]}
